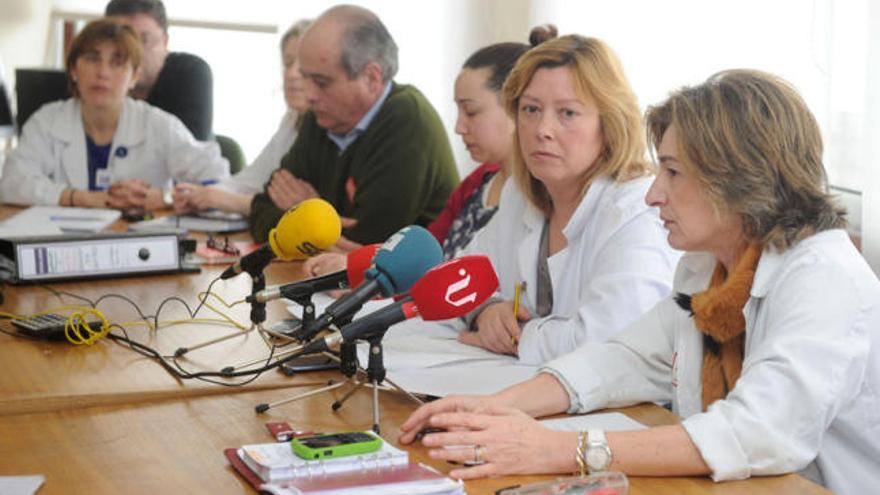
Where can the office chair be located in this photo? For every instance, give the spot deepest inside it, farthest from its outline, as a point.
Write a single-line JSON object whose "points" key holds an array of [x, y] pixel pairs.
{"points": [[36, 87], [230, 150], [7, 121]]}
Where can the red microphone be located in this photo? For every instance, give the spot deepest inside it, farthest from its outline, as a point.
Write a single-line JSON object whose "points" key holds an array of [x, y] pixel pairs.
{"points": [[448, 290], [357, 263]]}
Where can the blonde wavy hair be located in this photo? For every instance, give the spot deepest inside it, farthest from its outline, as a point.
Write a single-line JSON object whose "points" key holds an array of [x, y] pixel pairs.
{"points": [[756, 148], [598, 77]]}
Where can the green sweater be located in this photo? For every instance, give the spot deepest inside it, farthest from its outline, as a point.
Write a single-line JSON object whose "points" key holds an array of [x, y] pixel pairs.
{"points": [[400, 170]]}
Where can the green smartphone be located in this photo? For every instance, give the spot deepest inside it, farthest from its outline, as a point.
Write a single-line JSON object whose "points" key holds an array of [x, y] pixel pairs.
{"points": [[329, 445]]}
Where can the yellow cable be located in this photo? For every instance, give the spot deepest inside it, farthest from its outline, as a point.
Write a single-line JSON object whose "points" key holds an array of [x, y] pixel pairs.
{"points": [[77, 322], [78, 331]]}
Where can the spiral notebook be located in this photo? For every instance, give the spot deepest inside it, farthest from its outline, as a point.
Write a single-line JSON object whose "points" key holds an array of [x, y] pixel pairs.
{"points": [[276, 461], [409, 479]]}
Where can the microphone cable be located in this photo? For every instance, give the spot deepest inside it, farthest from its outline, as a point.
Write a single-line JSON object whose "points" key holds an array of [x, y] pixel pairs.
{"points": [[169, 362]]}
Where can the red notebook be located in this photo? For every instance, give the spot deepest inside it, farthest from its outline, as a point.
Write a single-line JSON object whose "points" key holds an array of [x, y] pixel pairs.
{"points": [[414, 475]]}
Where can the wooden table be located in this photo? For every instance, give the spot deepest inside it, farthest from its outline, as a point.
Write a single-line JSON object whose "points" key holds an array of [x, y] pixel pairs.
{"points": [[41, 376], [176, 446], [103, 419]]}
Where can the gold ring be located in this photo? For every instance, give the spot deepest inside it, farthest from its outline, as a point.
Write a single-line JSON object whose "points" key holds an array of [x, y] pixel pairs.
{"points": [[478, 454]]}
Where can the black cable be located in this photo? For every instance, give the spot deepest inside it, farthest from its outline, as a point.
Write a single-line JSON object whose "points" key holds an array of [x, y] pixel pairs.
{"points": [[192, 314], [177, 369], [137, 308], [180, 372]]}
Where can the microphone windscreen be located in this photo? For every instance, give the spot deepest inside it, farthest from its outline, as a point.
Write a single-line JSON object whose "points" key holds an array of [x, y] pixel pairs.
{"points": [[358, 261], [454, 288], [305, 230], [404, 258]]}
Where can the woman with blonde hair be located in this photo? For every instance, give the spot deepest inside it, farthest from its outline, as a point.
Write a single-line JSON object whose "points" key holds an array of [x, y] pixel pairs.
{"points": [[572, 226], [770, 349], [234, 194]]}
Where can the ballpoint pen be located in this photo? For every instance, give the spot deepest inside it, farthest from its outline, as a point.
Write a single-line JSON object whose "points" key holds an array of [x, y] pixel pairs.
{"points": [[517, 290]]}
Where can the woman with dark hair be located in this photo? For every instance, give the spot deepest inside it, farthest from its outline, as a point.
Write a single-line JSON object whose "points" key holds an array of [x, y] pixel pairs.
{"points": [[102, 148], [770, 348], [487, 133]]}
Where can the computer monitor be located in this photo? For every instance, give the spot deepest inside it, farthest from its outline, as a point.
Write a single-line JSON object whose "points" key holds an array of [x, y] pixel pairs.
{"points": [[36, 87]]}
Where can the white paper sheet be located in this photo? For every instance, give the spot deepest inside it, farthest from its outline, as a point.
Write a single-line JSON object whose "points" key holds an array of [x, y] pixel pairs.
{"points": [[21, 485], [480, 378], [188, 222], [613, 421], [67, 219]]}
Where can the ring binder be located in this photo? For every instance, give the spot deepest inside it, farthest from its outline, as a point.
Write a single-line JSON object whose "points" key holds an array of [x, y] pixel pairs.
{"points": [[42, 259]]}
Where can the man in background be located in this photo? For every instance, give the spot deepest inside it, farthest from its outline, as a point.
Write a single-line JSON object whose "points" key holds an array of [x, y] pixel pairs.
{"points": [[179, 83], [375, 149]]}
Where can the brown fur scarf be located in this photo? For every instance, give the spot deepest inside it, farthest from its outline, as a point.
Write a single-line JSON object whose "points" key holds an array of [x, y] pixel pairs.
{"points": [[717, 312]]}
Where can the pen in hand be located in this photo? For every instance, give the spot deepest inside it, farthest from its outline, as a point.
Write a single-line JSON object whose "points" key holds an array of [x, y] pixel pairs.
{"points": [[517, 291]]}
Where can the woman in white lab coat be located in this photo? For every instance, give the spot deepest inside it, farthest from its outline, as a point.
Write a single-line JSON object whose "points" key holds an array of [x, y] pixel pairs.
{"points": [[573, 226], [101, 148], [770, 349], [234, 194]]}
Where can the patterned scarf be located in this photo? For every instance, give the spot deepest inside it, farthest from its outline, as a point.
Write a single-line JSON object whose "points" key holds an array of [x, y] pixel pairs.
{"points": [[717, 313]]}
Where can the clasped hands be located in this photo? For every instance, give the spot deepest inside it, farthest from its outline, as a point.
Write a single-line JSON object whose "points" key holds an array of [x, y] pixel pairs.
{"points": [[134, 194]]}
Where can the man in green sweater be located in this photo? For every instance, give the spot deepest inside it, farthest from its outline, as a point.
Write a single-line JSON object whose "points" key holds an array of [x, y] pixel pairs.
{"points": [[376, 150]]}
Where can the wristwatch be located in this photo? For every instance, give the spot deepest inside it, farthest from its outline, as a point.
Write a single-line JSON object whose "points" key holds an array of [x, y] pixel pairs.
{"points": [[598, 454], [167, 197]]}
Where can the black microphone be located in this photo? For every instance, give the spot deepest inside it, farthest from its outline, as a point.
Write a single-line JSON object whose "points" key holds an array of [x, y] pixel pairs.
{"points": [[251, 263], [356, 263], [376, 321], [303, 288]]}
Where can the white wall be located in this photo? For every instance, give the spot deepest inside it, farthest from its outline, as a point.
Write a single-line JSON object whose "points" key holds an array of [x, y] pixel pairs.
{"points": [[24, 31], [825, 48], [871, 194]]}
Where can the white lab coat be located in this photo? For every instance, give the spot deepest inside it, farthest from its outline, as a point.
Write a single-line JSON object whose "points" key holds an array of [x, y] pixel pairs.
{"points": [[616, 266], [149, 144], [808, 397], [254, 177]]}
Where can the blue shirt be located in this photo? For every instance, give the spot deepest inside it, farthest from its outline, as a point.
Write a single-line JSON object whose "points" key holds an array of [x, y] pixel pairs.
{"points": [[344, 141], [98, 156]]}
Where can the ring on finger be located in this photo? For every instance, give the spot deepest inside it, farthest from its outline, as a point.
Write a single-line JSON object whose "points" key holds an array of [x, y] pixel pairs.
{"points": [[478, 454]]}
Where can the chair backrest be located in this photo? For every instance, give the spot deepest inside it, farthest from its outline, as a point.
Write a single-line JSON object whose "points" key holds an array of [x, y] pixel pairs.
{"points": [[36, 87], [232, 152]]}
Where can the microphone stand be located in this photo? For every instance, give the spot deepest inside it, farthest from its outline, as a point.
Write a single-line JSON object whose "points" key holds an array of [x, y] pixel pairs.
{"points": [[348, 366], [258, 310]]}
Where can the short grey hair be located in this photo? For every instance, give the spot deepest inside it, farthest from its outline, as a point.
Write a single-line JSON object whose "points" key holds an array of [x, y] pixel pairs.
{"points": [[296, 30], [367, 40]]}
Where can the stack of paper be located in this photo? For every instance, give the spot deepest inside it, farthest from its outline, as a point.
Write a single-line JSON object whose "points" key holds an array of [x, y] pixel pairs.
{"points": [[225, 222], [35, 219], [274, 468], [276, 461]]}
